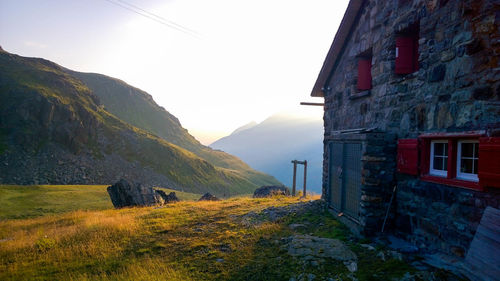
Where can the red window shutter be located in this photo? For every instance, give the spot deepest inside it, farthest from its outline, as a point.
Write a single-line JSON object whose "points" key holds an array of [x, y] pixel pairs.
{"points": [[364, 74], [408, 156], [489, 162], [405, 55]]}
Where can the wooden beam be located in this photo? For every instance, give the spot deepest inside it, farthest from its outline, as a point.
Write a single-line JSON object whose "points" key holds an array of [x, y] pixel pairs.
{"points": [[313, 103], [305, 177]]}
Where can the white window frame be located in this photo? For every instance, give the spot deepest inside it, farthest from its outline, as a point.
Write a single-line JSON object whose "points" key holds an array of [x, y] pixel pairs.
{"points": [[439, 173], [461, 175]]}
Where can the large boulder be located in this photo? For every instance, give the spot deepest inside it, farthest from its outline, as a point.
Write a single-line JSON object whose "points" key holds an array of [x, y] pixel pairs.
{"points": [[270, 191], [125, 194], [170, 198], [208, 197]]}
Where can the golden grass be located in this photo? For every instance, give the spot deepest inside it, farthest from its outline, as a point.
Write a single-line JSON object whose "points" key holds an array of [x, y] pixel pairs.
{"points": [[174, 242]]}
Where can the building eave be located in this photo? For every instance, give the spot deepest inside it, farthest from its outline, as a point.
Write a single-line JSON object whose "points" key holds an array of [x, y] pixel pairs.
{"points": [[341, 37]]}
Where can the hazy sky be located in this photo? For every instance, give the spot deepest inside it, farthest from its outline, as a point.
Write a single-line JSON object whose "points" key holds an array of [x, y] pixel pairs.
{"points": [[251, 59]]}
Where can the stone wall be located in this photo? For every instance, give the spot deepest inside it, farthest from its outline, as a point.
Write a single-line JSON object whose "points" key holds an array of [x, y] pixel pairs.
{"points": [[440, 217], [456, 89], [377, 175]]}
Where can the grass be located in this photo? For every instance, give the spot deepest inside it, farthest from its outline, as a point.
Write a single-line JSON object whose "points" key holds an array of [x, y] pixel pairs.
{"points": [[188, 240], [17, 201]]}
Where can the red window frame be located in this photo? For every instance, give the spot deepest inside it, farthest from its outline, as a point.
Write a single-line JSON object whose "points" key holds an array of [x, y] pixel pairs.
{"points": [[488, 163], [451, 177]]}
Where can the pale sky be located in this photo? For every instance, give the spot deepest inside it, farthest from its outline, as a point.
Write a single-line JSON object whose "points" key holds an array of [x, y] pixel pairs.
{"points": [[250, 59]]}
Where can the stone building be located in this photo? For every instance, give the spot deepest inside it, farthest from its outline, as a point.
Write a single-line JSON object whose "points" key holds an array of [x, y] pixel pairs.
{"points": [[412, 100]]}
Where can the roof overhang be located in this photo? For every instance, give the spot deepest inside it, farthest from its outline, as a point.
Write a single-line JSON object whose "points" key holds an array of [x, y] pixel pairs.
{"points": [[341, 37]]}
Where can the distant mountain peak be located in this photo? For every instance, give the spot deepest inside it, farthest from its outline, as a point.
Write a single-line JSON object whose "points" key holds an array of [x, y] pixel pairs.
{"points": [[245, 127]]}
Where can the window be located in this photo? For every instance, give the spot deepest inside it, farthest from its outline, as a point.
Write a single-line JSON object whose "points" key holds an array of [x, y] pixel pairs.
{"points": [[364, 73], [407, 50], [467, 159], [439, 158]]}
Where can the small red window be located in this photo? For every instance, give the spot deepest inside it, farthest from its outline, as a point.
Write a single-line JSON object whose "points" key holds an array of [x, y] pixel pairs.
{"points": [[364, 73], [406, 55], [408, 156], [489, 162]]}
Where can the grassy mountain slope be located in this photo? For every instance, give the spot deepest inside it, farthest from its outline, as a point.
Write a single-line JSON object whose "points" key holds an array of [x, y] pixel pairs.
{"points": [[54, 131], [138, 108]]}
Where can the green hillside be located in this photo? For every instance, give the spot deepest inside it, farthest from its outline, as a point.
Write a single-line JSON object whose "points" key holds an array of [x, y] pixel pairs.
{"points": [[54, 131], [138, 108]]}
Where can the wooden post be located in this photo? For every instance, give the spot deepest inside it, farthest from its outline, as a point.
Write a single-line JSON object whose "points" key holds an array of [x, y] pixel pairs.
{"points": [[305, 176], [294, 176]]}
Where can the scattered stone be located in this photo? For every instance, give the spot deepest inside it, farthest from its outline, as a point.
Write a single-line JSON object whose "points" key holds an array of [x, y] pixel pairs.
{"points": [[270, 191], [311, 277], [275, 214], [170, 198], [310, 248], [369, 247], [219, 260], [208, 197], [124, 194], [396, 255], [381, 255], [295, 226], [352, 266]]}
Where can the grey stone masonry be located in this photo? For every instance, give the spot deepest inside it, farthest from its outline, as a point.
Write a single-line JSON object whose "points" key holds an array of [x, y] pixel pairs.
{"points": [[456, 88]]}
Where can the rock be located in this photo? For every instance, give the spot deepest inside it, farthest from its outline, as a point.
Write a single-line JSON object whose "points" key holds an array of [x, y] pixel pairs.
{"points": [[352, 266], [437, 73], [381, 255], [208, 197], [124, 194], [269, 191], [170, 198], [311, 277], [368, 246], [317, 247], [294, 226]]}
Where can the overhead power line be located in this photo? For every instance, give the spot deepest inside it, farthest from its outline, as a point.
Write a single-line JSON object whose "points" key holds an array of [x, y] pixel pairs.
{"points": [[154, 17]]}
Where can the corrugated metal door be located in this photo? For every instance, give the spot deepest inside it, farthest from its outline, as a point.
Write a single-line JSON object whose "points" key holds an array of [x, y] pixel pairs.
{"points": [[336, 165], [345, 177], [352, 178]]}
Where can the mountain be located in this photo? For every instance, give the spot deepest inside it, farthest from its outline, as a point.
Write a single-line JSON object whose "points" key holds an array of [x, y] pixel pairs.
{"points": [[245, 127], [271, 145], [138, 108], [54, 129]]}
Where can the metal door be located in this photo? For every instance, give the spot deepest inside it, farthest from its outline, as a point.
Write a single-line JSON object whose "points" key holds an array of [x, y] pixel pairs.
{"points": [[345, 177], [336, 159], [352, 179]]}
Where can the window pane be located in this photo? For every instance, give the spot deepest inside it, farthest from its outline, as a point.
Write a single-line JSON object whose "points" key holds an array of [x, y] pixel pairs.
{"points": [[445, 163], [445, 149], [476, 151], [475, 166], [438, 148], [468, 149], [466, 166], [438, 163]]}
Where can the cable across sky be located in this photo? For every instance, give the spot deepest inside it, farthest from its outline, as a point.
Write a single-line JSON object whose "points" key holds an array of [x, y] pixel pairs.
{"points": [[159, 19]]}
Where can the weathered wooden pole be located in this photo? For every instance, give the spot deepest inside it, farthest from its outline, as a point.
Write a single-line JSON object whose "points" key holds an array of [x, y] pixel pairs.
{"points": [[305, 177], [294, 176]]}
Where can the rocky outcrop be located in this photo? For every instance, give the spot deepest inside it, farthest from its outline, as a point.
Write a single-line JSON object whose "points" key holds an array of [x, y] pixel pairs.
{"points": [[269, 191], [125, 194], [317, 249], [208, 197], [170, 198]]}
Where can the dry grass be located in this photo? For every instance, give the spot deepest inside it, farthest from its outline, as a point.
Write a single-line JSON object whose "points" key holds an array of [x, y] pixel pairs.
{"points": [[180, 241]]}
